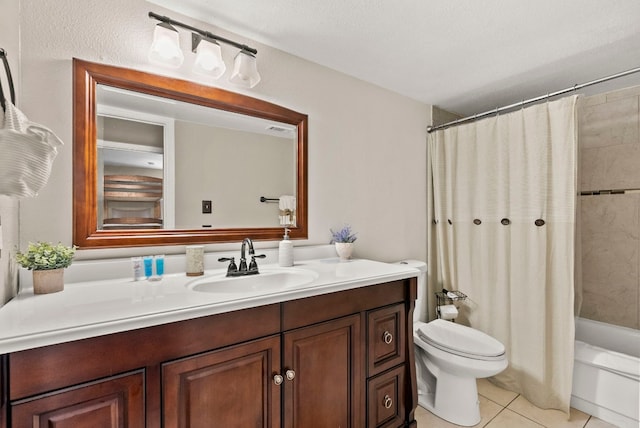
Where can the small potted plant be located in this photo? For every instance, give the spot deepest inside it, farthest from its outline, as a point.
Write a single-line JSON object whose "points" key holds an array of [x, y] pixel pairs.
{"points": [[47, 261], [343, 240]]}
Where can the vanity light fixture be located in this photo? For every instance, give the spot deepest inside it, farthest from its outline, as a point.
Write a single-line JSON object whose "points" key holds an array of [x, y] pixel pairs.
{"points": [[208, 52], [165, 48], [245, 70], [208, 56]]}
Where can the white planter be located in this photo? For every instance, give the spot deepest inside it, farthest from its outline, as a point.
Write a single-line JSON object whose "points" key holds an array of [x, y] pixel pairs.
{"points": [[344, 250]]}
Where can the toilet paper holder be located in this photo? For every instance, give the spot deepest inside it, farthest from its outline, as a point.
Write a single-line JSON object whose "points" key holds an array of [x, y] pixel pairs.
{"points": [[446, 297]]}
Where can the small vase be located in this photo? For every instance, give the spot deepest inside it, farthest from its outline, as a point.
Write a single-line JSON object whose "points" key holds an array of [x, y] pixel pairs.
{"points": [[48, 281], [344, 250]]}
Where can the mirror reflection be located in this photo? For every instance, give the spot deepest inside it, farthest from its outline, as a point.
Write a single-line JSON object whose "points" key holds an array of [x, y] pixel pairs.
{"points": [[164, 161], [166, 164]]}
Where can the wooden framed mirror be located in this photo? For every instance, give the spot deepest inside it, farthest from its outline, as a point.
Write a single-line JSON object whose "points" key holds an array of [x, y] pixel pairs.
{"points": [[162, 220]]}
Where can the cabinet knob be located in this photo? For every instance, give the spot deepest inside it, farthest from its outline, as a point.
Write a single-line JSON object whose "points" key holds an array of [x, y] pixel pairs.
{"points": [[387, 337], [388, 402], [290, 374], [277, 379]]}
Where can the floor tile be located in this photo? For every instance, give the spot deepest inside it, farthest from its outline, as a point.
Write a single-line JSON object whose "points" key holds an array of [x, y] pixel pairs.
{"points": [[598, 423], [494, 393], [488, 410], [426, 419], [509, 419], [549, 418], [504, 409]]}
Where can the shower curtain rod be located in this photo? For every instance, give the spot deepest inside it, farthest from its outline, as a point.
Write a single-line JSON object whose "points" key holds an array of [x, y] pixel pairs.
{"points": [[522, 103]]}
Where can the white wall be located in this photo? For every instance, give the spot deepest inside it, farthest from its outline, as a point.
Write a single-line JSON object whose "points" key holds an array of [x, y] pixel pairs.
{"points": [[9, 208], [367, 146], [225, 166]]}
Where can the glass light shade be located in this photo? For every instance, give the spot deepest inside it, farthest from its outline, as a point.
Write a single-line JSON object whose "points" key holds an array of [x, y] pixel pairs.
{"points": [[245, 70], [165, 49], [209, 59]]}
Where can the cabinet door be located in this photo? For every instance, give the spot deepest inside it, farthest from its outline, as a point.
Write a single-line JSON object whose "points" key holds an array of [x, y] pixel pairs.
{"points": [[116, 402], [230, 387], [322, 366]]}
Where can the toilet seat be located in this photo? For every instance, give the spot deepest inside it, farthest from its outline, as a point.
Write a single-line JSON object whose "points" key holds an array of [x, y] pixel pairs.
{"points": [[460, 340]]}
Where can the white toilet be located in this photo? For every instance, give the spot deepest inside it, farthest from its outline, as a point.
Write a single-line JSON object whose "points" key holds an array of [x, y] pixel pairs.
{"points": [[449, 359]]}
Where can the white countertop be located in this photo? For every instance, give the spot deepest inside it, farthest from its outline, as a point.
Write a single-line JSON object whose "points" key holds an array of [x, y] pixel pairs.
{"points": [[93, 308]]}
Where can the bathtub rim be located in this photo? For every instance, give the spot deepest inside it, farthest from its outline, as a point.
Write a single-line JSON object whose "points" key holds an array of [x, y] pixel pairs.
{"points": [[586, 398], [598, 333]]}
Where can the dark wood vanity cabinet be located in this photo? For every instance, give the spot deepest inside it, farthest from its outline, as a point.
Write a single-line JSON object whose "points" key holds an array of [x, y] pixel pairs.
{"points": [[229, 387], [117, 401], [340, 359], [386, 341], [322, 374]]}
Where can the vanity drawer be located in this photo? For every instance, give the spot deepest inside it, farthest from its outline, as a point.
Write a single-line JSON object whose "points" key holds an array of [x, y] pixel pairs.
{"points": [[386, 338], [385, 399]]}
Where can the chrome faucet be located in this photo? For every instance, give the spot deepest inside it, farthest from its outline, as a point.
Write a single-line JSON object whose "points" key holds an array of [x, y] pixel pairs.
{"points": [[243, 270], [243, 259]]}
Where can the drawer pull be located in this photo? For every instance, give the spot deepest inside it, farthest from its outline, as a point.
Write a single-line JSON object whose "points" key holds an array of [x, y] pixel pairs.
{"points": [[388, 402], [277, 379], [387, 337], [290, 374]]}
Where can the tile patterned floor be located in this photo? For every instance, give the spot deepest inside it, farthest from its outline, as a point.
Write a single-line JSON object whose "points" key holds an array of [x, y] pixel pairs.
{"points": [[505, 409]]}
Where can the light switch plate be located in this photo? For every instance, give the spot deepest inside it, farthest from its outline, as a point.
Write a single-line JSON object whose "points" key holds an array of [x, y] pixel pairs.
{"points": [[206, 207]]}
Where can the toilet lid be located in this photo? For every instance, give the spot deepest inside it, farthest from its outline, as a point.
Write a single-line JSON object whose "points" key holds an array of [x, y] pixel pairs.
{"points": [[461, 340]]}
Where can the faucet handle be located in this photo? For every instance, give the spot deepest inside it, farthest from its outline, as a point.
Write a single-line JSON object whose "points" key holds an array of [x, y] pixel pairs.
{"points": [[253, 265], [232, 265]]}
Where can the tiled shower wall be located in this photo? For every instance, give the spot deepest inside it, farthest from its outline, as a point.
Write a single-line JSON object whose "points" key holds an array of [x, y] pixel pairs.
{"points": [[609, 139]]}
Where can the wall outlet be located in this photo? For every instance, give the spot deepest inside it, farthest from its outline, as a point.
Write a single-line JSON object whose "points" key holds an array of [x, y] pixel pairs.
{"points": [[206, 207]]}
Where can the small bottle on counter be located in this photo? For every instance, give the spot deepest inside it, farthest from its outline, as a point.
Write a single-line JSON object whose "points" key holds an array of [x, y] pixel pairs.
{"points": [[159, 262], [285, 250], [136, 265], [147, 262]]}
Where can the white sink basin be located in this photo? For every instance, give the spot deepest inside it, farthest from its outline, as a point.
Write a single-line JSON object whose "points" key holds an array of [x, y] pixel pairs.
{"points": [[267, 281]]}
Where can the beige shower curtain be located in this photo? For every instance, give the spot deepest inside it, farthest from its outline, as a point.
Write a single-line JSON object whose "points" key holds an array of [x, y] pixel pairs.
{"points": [[503, 207]]}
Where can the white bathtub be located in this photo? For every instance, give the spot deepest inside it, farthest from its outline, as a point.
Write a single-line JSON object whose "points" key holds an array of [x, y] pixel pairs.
{"points": [[606, 373]]}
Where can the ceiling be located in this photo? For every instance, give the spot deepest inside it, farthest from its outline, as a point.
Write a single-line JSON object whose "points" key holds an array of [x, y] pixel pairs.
{"points": [[466, 56]]}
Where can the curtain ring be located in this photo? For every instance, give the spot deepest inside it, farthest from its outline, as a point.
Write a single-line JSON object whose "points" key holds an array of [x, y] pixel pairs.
{"points": [[539, 222], [505, 222], [477, 221], [449, 221]]}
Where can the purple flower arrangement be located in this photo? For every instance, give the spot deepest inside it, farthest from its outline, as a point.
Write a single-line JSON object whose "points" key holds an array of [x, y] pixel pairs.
{"points": [[343, 235]]}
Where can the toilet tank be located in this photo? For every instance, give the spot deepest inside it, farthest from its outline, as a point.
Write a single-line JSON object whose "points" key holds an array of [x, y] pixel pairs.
{"points": [[420, 312]]}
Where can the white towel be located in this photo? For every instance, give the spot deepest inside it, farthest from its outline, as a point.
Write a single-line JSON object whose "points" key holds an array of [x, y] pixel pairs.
{"points": [[287, 210]]}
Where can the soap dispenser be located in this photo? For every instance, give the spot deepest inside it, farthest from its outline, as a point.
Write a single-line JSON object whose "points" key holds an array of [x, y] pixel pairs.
{"points": [[285, 250]]}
